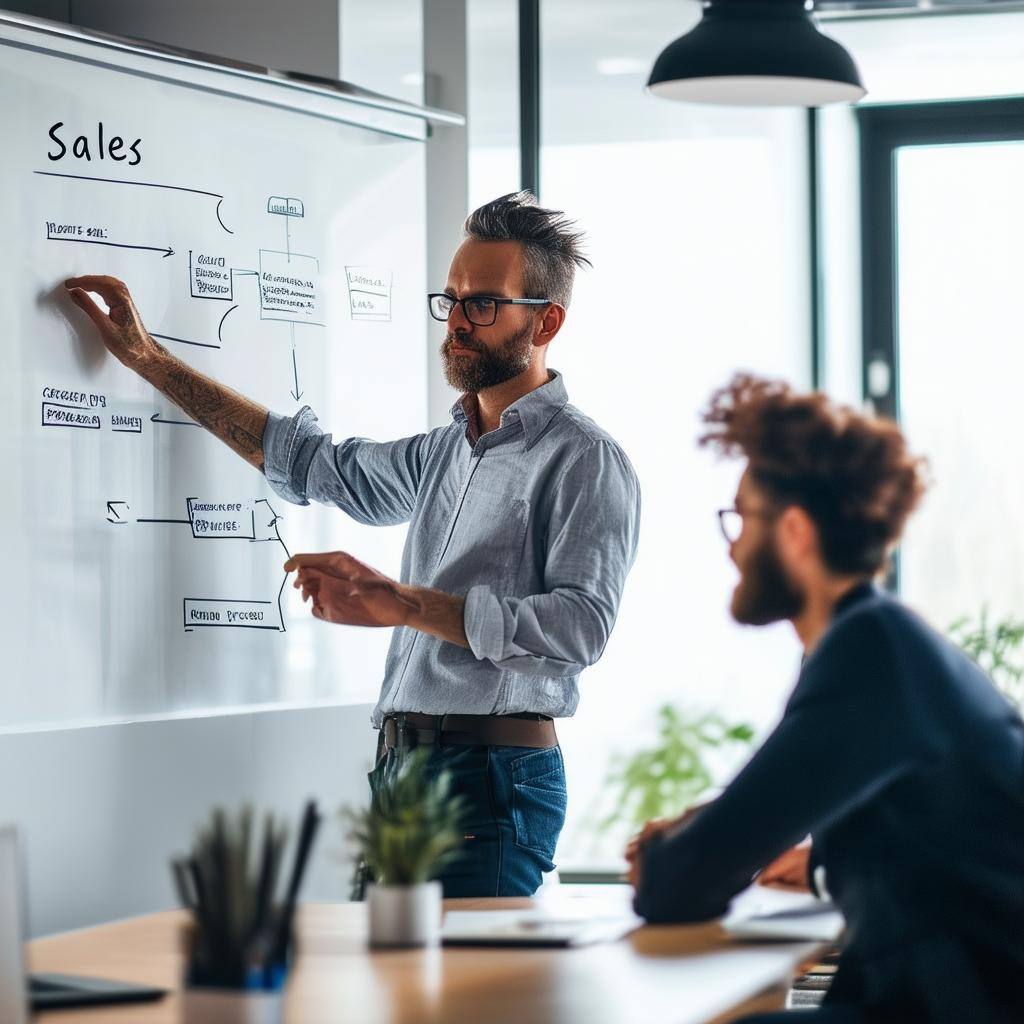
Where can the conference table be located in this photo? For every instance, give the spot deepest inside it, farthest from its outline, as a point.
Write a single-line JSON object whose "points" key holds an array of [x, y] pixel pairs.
{"points": [[680, 974]]}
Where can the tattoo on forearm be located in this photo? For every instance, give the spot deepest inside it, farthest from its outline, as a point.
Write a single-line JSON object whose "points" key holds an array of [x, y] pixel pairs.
{"points": [[236, 420]]}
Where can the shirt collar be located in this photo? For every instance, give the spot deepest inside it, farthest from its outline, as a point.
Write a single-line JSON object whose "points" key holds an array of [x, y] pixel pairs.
{"points": [[534, 410], [857, 593]]}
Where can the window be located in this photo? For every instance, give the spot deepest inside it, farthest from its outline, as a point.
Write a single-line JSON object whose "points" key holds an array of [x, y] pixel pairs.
{"points": [[697, 226], [943, 305]]}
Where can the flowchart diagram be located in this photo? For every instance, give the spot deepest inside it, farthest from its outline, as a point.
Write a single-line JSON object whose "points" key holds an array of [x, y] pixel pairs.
{"points": [[283, 285], [254, 522], [288, 282]]}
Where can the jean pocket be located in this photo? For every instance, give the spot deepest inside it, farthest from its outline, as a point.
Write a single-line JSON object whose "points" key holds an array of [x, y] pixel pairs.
{"points": [[539, 800]]}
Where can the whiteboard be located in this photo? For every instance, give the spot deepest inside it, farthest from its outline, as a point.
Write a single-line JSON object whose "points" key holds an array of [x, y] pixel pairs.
{"points": [[271, 246]]}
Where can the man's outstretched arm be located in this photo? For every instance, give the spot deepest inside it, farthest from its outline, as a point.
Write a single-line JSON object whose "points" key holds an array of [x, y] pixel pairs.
{"points": [[235, 419]]}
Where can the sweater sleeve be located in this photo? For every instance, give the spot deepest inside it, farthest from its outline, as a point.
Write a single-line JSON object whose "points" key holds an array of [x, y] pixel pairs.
{"points": [[845, 736]]}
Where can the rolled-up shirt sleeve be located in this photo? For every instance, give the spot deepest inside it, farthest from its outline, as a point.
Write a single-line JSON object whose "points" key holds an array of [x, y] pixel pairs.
{"points": [[591, 545], [375, 483]]}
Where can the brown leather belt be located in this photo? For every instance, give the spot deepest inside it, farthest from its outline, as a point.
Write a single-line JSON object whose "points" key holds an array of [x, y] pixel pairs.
{"points": [[410, 728]]}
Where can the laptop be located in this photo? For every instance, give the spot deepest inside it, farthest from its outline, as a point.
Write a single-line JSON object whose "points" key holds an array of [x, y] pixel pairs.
{"points": [[43, 991]]}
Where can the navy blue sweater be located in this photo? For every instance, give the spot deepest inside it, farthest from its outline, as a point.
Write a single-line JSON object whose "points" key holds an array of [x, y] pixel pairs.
{"points": [[899, 757]]}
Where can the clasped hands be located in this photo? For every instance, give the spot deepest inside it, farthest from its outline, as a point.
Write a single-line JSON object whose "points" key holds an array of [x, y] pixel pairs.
{"points": [[345, 591], [788, 871]]}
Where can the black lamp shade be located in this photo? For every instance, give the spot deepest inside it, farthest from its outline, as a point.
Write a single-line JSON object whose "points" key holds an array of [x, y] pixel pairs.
{"points": [[756, 53]]}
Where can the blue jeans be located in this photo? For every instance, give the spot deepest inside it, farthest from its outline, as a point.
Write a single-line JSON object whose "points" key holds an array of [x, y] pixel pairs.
{"points": [[516, 808]]}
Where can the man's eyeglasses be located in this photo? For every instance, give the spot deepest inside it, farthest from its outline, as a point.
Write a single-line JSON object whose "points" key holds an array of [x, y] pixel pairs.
{"points": [[731, 521], [481, 310]]}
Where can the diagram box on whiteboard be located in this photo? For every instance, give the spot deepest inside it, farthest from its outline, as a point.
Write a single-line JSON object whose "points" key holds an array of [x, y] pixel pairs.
{"points": [[369, 293], [57, 415], [232, 520], [290, 287], [286, 206], [209, 276], [205, 612]]}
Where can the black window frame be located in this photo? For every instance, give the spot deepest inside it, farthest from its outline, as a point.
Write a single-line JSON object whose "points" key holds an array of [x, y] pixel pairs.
{"points": [[883, 130]]}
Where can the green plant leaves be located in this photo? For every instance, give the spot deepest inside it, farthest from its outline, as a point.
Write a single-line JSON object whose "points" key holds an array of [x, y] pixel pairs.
{"points": [[413, 826], [995, 646], [665, 779]]}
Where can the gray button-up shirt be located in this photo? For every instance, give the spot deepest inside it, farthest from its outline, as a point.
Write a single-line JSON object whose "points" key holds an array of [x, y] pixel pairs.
{"points": [[535, 524]]}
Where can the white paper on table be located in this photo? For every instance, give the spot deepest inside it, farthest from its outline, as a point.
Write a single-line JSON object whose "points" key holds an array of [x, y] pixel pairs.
{"points": [[535, 927], [763, 913]]}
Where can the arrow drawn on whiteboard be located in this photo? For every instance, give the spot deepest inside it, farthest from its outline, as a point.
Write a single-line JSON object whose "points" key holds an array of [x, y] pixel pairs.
{"points": [[113, 511], [145, 184], [165, 249], [296, 394], [157, 418]]}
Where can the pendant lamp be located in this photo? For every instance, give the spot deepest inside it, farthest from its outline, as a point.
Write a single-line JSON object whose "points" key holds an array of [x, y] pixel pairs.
{"points": [[756, 53]]}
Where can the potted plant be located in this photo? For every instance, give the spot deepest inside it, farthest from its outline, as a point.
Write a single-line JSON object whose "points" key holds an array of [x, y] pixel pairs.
{"points": [[411, 830]]}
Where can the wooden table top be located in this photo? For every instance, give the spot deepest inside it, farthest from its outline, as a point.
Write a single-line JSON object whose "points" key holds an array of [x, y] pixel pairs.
{"points": [[675, 975]]}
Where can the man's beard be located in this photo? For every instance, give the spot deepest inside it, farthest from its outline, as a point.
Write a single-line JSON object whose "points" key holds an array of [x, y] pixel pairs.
{"points": [[487, 367], [765, 593]]}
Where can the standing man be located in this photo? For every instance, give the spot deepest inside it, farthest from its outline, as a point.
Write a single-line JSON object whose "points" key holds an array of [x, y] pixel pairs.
{"points": [[523, 517], [895, 751]]}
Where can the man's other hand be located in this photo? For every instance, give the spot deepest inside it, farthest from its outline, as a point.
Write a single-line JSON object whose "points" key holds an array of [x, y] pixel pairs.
{"points": [[121, 328], [345, 591], [789, 870], [655, 827]]}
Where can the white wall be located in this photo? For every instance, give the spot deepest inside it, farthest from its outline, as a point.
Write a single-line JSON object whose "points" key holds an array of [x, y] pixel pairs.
{"points": [[102, 809]]}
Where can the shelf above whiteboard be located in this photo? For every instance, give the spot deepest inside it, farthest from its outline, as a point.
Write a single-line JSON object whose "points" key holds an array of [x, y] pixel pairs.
{"points": [[319, 97]]}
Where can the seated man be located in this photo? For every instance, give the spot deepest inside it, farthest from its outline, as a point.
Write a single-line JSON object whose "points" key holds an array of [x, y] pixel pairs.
{"points": [[895, 752]]}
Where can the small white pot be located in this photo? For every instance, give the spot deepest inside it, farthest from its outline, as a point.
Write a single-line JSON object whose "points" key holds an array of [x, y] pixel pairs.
{"points": [[230, 1006], [404, 915]]}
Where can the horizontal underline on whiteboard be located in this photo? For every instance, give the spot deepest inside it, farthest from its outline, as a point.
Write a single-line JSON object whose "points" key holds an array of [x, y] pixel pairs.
{"points": [[231, 711], [128, 181], [185, 341]]}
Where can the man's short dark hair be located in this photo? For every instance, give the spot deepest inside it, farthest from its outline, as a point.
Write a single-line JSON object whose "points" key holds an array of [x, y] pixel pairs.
{"points": [[552, 248], [850, 472]]}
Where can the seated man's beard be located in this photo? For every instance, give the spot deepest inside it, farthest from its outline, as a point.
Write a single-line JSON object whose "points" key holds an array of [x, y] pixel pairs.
{"points": [[765, 593], [487, 367]]}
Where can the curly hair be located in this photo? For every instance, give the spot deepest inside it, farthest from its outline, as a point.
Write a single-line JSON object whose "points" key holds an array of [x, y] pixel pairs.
{"points": [[850, 472]]}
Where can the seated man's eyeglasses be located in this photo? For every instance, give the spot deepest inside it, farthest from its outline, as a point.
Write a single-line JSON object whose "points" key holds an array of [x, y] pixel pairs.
{"points": [[731, 520], [481, 310]]}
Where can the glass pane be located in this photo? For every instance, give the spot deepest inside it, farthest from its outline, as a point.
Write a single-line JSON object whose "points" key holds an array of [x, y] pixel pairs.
{"points": [[961, 306], [492, 55], [696, 222]]}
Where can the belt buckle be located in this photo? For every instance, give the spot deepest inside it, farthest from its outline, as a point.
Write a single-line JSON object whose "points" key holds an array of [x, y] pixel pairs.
{"points": [[405, 734], [392, 728]]}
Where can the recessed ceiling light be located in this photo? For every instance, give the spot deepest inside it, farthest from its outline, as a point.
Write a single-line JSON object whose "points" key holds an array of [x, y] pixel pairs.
{"points": [[621, 66]]}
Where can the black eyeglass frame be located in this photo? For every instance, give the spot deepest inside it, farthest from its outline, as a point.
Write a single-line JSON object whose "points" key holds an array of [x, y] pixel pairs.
{"points": [[496, 299]]}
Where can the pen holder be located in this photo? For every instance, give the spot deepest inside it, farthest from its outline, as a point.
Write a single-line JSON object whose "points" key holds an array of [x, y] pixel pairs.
{"points": [[201, 1005], [258, 998], [239, 939]]}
